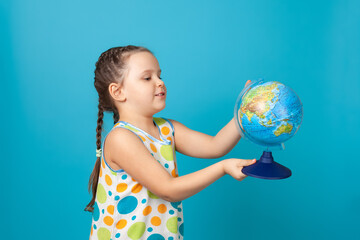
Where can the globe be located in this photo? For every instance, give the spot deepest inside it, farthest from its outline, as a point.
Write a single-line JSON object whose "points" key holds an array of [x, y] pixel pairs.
{"points": [[268, 113]]}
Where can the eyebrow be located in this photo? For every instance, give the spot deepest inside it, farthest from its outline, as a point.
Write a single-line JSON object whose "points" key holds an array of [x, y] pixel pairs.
{"points": [[149, 70]]}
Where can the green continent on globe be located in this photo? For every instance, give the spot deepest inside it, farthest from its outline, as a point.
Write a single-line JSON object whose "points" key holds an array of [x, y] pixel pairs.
{"points": [[256, 101], [284, 128]]}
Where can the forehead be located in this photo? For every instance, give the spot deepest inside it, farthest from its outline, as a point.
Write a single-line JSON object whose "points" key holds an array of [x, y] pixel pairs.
{"points": [[138, 62]]}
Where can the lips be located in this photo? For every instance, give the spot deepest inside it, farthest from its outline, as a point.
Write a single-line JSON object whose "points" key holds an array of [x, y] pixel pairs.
{"points": [[160, 94]]}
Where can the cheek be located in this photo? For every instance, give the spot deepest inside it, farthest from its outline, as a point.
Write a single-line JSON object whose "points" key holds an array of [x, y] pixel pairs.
{"points": [[137, 89], [142, 92]]}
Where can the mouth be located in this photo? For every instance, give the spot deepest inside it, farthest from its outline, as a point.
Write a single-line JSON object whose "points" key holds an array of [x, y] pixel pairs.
{"points": [[160, 94]]}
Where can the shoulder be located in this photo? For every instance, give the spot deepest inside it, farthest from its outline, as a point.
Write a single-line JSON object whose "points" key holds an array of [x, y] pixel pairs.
{"points": [[119, 138], [174, 123], [120, 144]]}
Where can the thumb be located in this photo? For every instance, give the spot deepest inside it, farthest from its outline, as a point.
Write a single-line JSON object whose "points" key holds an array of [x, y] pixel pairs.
{"points": [[247, 82], [248, 162]]}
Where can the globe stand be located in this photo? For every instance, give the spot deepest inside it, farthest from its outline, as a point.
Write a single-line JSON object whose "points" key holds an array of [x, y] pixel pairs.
{"points": [[267, 168]]}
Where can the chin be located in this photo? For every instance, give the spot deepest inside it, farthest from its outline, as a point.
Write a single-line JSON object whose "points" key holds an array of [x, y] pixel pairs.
{"points": [[161, 108]]}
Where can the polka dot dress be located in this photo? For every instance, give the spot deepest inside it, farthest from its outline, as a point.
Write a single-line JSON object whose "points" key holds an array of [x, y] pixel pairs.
{"points": [[124, 209]]}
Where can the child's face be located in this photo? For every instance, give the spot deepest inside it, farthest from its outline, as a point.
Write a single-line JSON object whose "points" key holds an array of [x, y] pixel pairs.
{"points": [[142, 82]]}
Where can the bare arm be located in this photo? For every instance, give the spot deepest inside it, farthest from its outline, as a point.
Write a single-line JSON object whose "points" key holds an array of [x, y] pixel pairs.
{"points": [[226, 139], [200, 145], [190, 184], [136, 160]]}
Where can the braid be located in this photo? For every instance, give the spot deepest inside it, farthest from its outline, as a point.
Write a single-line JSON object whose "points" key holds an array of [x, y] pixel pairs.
{"points": [[115, 115], [109, 68], [99, 126], [94, 177]]}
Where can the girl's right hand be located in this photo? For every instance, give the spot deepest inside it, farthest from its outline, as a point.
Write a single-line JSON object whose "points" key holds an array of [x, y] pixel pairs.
{"points": [[233, 167]]}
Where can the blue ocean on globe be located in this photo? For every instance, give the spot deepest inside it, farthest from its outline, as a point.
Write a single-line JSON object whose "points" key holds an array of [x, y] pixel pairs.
{"points": [[268, 113]]}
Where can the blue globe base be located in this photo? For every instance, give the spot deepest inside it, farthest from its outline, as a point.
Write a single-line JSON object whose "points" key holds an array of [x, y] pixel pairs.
{"points": [[267, 168]]}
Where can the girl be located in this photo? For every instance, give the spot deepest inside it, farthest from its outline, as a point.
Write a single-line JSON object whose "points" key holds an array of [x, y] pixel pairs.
{"points": [[136, 189]]}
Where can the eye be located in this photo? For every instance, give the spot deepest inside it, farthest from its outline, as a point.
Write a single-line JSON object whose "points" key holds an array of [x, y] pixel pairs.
{"points": [[148, 78]]}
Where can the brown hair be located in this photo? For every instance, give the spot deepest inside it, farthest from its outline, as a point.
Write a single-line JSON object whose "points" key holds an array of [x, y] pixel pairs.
{"points": [[109, 68]]}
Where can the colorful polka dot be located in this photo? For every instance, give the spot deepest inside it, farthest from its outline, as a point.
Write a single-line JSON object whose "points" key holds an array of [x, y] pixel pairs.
{"points": [[153, 148], [96, 212], [108, 220], [102, 163], [156, 236], [108, 180], [175, 204], [110, 209], [127, 205], [103, 234], [121, 224], [162, 208], [165, 130], [100, 193], [136, 230], [181, 229], [156, 221], [159, 121], [136, 188], [128, 194], [121, 187], [173, 173], [167, 152], [171, 224], [147, 210]]}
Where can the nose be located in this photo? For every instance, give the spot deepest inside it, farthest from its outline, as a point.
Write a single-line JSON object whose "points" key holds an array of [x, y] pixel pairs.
{"points": [[160, 83]]}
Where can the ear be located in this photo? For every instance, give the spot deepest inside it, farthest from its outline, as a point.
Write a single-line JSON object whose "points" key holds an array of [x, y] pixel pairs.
{"points": [[117, 92]]}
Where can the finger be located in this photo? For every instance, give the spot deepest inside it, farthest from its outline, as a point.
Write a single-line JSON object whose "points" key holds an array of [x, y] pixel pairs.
{"points": [[247, 82], [248, 162]]}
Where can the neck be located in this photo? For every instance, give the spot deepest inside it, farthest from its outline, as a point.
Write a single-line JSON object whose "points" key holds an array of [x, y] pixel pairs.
{"points": [[143, 122]]}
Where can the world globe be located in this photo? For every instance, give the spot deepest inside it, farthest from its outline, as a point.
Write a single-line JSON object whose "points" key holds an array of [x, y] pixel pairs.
{"points": [[268, 113]]}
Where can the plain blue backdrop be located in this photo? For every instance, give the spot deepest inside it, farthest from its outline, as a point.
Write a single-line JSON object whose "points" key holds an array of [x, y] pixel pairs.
{"points": [[207, 50]]}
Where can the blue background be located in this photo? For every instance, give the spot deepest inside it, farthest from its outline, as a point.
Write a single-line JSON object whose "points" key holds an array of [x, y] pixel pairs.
{"points": [[207, 50]]}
